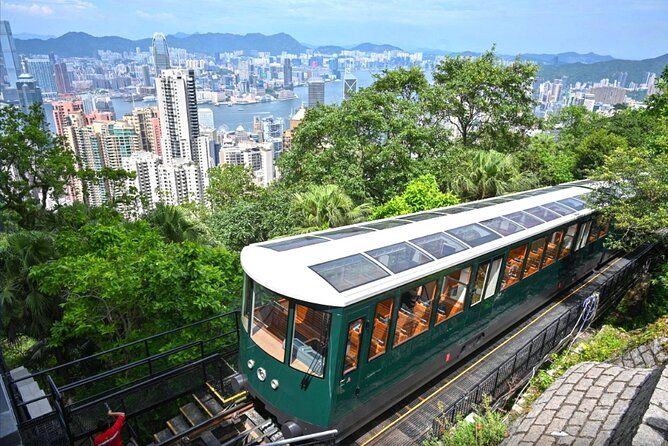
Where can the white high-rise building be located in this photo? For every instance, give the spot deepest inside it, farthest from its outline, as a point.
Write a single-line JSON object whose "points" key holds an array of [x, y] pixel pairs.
{"points": [[205, 116]]}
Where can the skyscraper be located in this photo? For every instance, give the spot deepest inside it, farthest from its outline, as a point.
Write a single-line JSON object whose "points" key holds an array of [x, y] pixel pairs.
{"points": [[9, 60], [177, 105], [316, 92], [349, 85], [29, 92], [146, 76], [62, 110], [287, 74], [160, 53], [42, 71], [63, 84]]}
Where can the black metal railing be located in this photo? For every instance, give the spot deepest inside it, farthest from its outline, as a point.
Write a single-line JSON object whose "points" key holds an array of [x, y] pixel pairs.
{"points": [[508, 378], [158, 372]]}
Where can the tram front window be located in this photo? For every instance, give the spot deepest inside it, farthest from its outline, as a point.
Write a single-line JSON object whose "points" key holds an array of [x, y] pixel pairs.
{"points": [[270, 321], [309, 340]]}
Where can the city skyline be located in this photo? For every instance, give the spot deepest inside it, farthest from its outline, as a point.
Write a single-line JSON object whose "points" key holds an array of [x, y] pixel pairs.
{"points": [[620, 29]]}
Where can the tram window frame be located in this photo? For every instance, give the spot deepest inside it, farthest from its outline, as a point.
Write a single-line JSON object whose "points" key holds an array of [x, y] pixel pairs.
{"points": [[474, 290], [275, 299], [526, 272], [414, 321], [544, 262], [294, 351], [592, 236], [571, 238], [517, 263], [460, 302], [360, 339], [582, 236], [493, 276], [377, 319], [247, 304]]}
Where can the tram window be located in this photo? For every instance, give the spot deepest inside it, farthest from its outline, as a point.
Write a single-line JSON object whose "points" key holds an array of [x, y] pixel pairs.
{"points": [[270, 321], [309, 340], [474, 234], [351, 360], [414, 312], [593, 232], [542, 213], [558, 208], [247, 303], [535, 255], [502, 225], [524, 219], [439, 245], [453, 294], [582, 237], [399, 257], [381, 327], [552, 248], [479, 283], [513, 271], [493, 279], [567, 245]]}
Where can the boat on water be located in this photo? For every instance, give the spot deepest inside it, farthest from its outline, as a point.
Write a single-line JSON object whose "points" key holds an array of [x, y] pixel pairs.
{"points": [[149, 98]]}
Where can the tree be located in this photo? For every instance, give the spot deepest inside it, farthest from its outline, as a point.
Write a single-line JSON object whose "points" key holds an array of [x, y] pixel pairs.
{"points": [[420, 194], [371, 145], [326, 206], [228, 184], [35, 166], [548, 160], [486, 174], [25, 309], [266, 216], [486, 100], [591, 152], [173, 224], [634, 195], [120, 281]]}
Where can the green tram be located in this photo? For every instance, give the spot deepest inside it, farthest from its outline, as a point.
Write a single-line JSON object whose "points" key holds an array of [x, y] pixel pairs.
{"points": [[339, 325]]}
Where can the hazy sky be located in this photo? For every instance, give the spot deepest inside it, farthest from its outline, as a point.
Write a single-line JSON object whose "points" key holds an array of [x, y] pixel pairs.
{"points": [[621, 28]]}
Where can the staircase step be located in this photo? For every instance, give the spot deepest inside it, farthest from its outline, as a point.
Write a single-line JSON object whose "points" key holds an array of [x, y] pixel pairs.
{"points": [[208, 403], [178, 424], [163, 435], [209, 439], [193, 414]]}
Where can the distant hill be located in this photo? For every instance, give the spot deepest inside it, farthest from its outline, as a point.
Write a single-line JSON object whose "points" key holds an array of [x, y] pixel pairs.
{"points": [[566, 58], [375, 48], [594, 72], [75, 44], [81, 44]]}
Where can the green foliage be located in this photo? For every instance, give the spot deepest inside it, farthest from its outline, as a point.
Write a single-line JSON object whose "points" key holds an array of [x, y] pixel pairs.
{"points": [[174, 225], [266, 216], [326, 206], [488, 101], [420, 194], [591, 152], [34, 167], [488, 428], [26, 310], [635, 194], [228, 184], [122, 281], [485, 174], [547, 160]]}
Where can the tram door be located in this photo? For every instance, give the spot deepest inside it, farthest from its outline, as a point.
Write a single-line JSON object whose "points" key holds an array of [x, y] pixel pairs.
{"points": [[353, 360], [485, 284]]}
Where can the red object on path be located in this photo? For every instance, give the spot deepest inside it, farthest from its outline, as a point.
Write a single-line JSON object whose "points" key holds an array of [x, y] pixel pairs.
{"points": [[112, 436]]}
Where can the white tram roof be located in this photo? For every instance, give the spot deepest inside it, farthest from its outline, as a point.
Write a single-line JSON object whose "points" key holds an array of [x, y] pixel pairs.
{"points": [[339, 267]]}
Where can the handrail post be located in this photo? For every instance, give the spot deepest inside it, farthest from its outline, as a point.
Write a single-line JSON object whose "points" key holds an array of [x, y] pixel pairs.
{"points": [[60, 408], [150, 364]]}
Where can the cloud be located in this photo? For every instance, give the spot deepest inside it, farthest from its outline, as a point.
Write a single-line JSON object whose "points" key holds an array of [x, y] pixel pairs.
{"points": [[157, 16], [33, 9], [78, 4]]}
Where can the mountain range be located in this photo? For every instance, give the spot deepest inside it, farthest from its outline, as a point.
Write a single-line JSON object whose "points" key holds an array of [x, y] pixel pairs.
{"points": [[81, 44], [594, 72]]}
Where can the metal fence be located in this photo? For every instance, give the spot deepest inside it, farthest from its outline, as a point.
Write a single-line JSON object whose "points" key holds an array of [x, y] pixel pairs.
{"points": [[161, 373], [504, 381]]}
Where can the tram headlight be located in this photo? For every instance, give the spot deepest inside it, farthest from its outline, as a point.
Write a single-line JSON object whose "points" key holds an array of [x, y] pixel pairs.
{"points": [[250, 363], [274, 384], [261, 374]]}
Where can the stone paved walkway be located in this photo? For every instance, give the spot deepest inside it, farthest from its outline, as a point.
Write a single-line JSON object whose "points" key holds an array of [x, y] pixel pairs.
{"points": [[591, 404], [654, 427]]}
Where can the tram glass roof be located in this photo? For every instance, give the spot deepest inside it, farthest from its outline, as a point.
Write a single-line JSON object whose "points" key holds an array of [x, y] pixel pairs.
{"points": [[374, 260]]}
